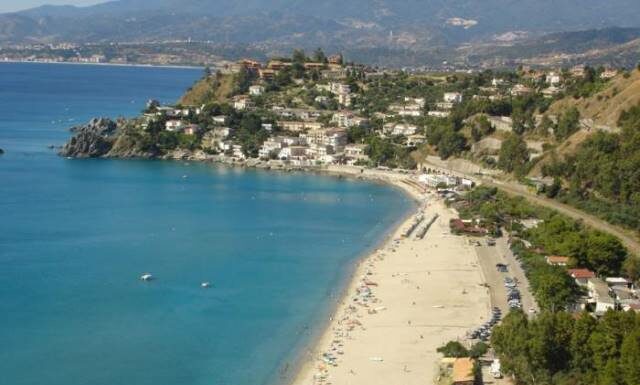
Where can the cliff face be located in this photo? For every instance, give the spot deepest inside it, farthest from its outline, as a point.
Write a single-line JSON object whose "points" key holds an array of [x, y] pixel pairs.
{"points": [[92, 140], [105, 138]]}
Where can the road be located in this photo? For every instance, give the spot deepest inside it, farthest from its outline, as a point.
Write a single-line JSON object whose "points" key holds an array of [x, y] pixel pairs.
{"points": [[489, 256], [627, 238]]}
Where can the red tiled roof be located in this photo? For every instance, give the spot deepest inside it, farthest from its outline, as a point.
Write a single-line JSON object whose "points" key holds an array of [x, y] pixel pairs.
{"points": [[581, 273]]}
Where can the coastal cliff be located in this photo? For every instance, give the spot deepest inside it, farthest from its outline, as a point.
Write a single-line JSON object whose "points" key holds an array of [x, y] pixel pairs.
{"points": [[92, 140], [105, 138]]}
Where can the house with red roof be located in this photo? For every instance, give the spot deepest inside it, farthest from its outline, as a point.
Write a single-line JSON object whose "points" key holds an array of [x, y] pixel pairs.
{"points": [[581, 276]]}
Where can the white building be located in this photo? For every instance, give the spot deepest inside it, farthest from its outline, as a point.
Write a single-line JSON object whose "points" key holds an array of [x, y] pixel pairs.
{"points": [[413, 110], [237, 151], [416, 101], [346, 119], [292, 152], [220, 119], [175, 125], [501, 123], [404, 129], [242, 102], [356, 152], [415, 140], [599, 295], [339, 88], [496, 82], [554, 79], [345, 99], [452, 97], [256, 90], [439, 114], [297, 126], [269, 147], [435, 180], [444, 105], [225, 146]]}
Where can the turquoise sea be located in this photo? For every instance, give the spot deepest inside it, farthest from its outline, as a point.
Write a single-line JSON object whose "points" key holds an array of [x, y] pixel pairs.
{"points": [[75, 235]]}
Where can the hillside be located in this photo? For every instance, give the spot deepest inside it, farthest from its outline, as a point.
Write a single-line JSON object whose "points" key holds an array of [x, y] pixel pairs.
{"points": [[207, 90], [606, 106], [617, 47]]}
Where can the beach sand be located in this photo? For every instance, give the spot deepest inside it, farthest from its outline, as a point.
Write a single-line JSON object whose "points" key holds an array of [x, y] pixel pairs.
{"points": [[405, 300]]}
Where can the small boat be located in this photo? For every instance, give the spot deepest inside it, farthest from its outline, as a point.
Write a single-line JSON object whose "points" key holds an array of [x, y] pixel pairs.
{"points": [[205, 285], [146, 277]]}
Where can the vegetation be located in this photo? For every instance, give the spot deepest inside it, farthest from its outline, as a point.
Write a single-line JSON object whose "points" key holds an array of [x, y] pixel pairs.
{"points": [[514, 155], [555, 234], [457, 350], [603, 176], [557, 349]]}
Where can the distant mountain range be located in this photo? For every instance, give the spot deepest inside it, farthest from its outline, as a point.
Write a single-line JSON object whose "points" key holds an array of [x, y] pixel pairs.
{"points": [[354, 25]]}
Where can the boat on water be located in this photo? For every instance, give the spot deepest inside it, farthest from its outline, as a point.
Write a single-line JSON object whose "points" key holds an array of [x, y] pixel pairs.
{"points": [[146, 277], [205, 285]]}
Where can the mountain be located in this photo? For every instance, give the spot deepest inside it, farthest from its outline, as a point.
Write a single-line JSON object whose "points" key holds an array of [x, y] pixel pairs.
{"points": [[354, 23], [618, 47], [383, 32]]}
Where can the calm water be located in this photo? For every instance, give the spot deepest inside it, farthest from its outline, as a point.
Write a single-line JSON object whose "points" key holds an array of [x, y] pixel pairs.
{"points": [[76, 235]]}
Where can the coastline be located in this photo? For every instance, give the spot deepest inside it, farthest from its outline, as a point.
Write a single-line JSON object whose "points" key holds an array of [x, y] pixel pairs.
{"points": [[356, 362], [296, 362], [443, 314], [136, 65]]}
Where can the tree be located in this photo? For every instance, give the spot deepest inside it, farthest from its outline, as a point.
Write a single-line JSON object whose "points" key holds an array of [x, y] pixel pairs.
{"points": [[546, 126], [610, 375], [319, 56], [453, 349], [298, 56], [451, 143], [568, 124], [604, 253], [581, 354], [553, 288], [631, 267], [513, 154], [481, 127], [554, 189], [630, 358], [478, 350]]}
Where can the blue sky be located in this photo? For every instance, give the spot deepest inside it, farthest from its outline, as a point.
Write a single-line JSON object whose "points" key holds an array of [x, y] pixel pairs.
{"points": [[16, 5]]}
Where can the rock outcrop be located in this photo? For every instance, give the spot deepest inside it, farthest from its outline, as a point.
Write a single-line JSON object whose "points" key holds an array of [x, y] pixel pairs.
{"points": [[93, 140]]}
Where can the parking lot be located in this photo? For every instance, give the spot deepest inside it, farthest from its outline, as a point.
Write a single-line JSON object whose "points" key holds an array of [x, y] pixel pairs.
{"points": [[505, 277]]}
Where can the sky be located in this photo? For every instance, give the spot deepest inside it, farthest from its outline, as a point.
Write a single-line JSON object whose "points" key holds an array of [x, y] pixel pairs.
{"points": [[17, 5]]}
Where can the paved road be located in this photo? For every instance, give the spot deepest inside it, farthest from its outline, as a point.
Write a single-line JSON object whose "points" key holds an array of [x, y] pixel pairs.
{"points": [[488, 257]]}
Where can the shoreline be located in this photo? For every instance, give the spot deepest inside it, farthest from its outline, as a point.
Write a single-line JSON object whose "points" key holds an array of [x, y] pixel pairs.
{"points": [[134, 65], [441, 321], [296, 362], [311, 346], [311, 370]]}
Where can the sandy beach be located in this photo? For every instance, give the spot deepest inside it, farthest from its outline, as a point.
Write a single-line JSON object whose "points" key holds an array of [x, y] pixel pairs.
{"points": [[405, 300]]}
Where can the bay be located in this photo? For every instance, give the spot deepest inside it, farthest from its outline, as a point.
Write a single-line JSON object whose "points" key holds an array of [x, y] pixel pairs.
{"points": [[75, 235]]}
